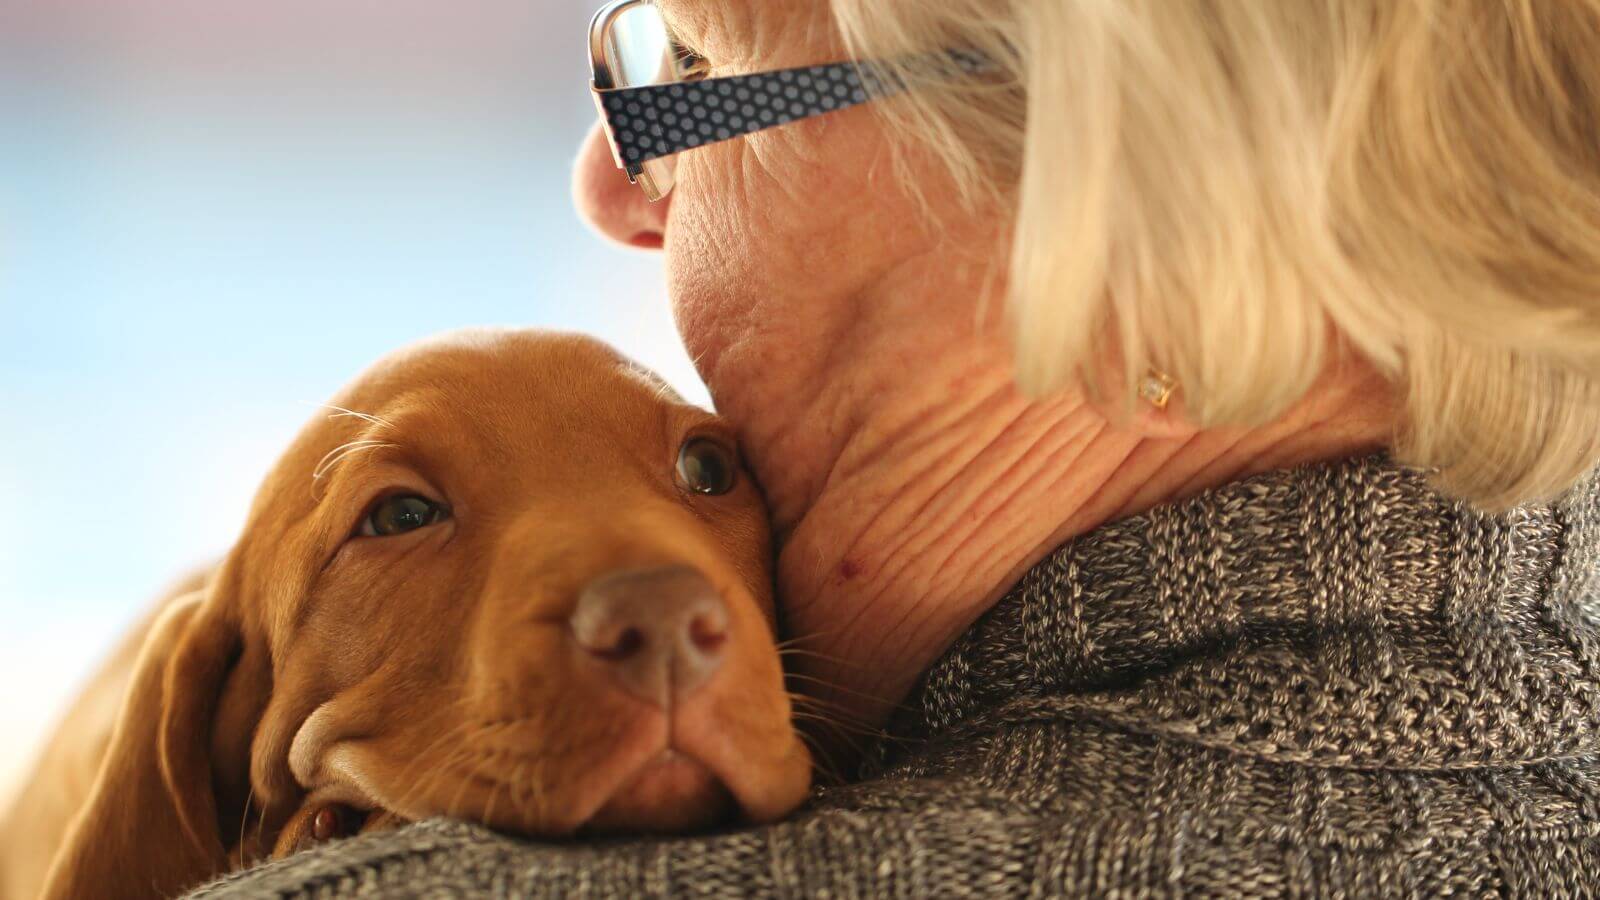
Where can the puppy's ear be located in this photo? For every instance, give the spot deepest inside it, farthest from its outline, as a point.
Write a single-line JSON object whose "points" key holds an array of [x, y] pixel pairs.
{"points": [[150, 827]]}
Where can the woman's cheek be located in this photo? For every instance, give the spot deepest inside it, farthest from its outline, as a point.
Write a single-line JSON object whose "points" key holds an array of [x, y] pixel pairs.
{"points": [[708, 274]]}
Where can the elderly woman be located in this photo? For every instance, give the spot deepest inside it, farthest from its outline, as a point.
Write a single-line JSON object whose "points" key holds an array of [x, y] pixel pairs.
{"points": [[1174, 416]]}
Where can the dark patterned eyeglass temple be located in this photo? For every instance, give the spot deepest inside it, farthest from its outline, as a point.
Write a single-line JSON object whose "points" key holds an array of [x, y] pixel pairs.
{"points": [[651, 122], [662, 119]]}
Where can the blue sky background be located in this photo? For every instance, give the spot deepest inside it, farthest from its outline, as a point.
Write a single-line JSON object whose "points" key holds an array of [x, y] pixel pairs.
{"points": [[212, 214]]}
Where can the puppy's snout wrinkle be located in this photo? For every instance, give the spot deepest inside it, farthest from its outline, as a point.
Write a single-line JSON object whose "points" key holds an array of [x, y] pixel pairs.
{"points": [[659, 632]]}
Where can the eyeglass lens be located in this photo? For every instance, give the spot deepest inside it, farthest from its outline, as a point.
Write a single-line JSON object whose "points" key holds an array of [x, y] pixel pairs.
{"points": [[640, 52]]}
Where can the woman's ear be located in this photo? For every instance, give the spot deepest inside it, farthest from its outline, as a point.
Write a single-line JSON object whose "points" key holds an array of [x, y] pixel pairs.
{"points": [[150, 826]]}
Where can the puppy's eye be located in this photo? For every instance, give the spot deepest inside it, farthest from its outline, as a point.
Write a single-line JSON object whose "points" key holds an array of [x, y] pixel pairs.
{"points": [[706, 467], [335, 821], [399, 514]]}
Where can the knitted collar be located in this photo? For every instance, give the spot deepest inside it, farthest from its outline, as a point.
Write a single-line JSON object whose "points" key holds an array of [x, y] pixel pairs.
{"points": [[1340, 615]]}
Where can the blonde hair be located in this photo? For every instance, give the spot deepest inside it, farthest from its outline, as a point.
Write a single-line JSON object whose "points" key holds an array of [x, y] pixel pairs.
{"points": [[1233, 189]]}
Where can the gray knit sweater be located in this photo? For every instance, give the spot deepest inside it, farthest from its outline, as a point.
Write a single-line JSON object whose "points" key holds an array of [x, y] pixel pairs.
{"points": [[1324, 682]]}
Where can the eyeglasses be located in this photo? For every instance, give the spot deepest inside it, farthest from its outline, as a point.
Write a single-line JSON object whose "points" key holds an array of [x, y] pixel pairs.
{"points": [[656, 102]]}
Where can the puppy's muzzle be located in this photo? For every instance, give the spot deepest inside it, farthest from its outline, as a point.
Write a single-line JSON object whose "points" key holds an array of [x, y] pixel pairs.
{"points": [[658, 633]]}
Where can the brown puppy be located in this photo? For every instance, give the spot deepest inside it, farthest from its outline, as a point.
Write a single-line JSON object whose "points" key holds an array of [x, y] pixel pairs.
{"points": [[511, 580]]}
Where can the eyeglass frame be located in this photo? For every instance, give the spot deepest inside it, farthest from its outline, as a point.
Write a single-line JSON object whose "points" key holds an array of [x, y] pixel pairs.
{"points": [[641, 123]]}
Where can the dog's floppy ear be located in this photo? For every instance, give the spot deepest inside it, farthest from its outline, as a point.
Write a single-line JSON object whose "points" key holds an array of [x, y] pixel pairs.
{"points": [[150, 827]]}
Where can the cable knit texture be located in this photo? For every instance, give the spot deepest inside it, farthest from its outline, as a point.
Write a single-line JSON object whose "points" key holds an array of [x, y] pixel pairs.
{"points": [[1329, 681]]}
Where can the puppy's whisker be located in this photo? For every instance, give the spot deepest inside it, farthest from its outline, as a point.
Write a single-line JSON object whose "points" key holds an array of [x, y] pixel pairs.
{"points": [[837, 726], [516, 789], [261, 823], [461, 787], [810, 636], [820, 657], [422, 759], [829, 749], [697, 358], [811, 697], [452, 766], [410, 787], [340, 412], [840, 720], [340, 453], [843, 716], [469, 781], [819, 761], [808, 654], [536, 792], [423, 789], [419, 789], [666, 394], [494, 797], [244, 822], [801, 638], [830, 686]]}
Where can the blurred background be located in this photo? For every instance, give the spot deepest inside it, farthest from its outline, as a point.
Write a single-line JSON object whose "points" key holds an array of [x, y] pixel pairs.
{"points": [[215, 212]]}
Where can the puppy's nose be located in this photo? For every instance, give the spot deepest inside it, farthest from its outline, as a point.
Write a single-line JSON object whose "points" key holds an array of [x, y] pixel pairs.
{"points": [[660, 632]]}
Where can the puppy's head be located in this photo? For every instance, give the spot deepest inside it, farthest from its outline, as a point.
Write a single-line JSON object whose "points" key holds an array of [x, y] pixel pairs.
{"points": [[508, 578], [520, 582]]}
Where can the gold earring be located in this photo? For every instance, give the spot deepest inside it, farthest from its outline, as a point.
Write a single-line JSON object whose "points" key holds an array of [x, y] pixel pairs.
{"points": [[1156, 388]]}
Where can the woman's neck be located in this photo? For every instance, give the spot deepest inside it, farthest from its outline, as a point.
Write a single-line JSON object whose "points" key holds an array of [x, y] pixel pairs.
{"points": [[908, 497]]}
